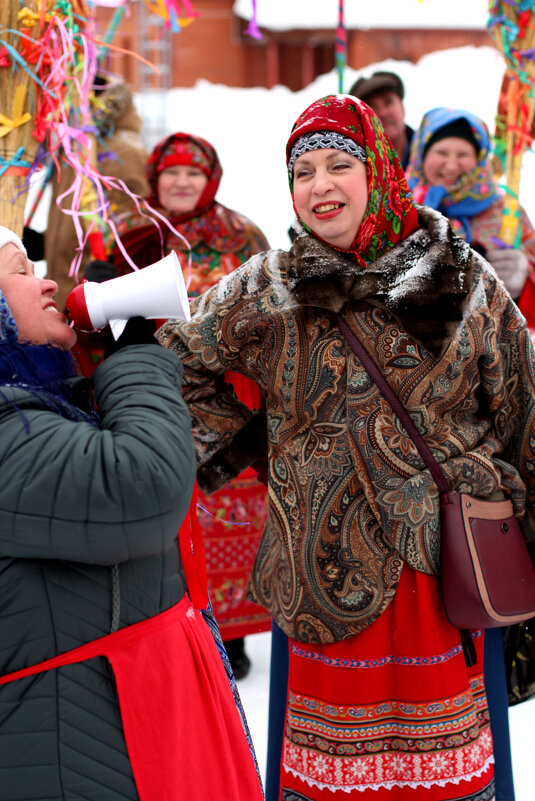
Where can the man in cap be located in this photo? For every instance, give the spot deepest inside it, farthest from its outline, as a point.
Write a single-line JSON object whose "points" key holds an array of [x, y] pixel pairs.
{"points": [[384, 93]]}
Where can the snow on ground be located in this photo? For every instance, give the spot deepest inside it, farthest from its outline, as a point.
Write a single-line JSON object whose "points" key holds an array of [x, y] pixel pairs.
{"points": [[249, 128]]}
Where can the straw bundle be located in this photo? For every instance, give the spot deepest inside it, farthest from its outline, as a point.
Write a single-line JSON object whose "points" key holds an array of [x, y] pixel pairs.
{"points": [[17, 103], [512, 25]]}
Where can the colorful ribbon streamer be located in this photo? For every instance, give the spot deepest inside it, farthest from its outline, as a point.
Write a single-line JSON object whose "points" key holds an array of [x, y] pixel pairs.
{"points": [[253, 29], [170, 11], [18, 115], [511, 24], [56, 47], [340, 48]]}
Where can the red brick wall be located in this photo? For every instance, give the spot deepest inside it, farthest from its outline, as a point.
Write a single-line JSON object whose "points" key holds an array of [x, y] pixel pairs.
{"points": [[209, 47], [367, 47], [214, 48]]}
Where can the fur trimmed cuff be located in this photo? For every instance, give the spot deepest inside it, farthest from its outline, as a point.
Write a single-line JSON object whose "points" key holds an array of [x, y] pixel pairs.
{"points": [[248, 446]]}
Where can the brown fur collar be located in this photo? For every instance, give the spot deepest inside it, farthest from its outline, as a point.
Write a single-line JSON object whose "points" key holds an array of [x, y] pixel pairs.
{"points": [[424, 281]]}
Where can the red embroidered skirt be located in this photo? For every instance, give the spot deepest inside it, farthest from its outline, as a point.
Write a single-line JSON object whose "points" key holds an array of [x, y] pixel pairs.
{"points": [[393, 713], [232, 521]]}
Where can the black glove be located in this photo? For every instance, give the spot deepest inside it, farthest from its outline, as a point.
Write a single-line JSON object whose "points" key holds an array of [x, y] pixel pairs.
{"points": [[138, 331], [99, 271], [34, 242]]}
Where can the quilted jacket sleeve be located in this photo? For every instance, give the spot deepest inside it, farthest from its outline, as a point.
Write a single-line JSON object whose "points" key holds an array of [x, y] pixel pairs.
{"points": [[99, 495]]}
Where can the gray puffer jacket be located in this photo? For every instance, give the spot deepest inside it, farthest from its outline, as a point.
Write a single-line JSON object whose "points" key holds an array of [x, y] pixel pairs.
{"points": [[88, 542]]}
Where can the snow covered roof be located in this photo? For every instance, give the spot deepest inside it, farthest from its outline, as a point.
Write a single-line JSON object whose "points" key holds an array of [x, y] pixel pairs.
{"points": [[285, 15]]}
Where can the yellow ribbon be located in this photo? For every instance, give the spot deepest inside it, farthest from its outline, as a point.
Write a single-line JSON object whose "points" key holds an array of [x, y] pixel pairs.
{"points": [[18, 118], [28, 17], [162, 11]]}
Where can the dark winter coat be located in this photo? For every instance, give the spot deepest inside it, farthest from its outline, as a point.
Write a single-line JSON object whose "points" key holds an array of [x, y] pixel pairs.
{"points": [[88, 541], [405, 157], [350, 498]]}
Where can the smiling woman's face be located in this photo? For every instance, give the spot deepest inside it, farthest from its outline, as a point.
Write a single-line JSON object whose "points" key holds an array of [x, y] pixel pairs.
{"points": [[448, 160], [30, 301], [180, 188], [330, 191]]}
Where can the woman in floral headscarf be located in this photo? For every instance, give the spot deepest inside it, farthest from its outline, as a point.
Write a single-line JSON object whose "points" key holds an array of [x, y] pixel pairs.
{"points": [[380, 698], [450, 169], [183, 172]]}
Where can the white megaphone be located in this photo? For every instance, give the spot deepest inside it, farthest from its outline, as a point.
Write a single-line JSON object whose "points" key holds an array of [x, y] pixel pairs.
{"points": [[155, 292]]}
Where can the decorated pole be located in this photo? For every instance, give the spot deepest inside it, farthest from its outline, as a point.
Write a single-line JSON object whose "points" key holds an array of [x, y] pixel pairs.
{"points": [[48, 62], [340, 49], [18, 99], [43, 52], [512, 25]]}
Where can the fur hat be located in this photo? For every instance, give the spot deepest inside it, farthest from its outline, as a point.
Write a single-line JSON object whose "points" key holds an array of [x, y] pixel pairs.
{"points": [[7, 236], [364, 88]]}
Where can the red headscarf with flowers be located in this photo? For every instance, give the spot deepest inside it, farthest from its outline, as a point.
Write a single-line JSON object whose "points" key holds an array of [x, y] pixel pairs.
{"points": [[208, 222], [390, 214], [185, 149]]}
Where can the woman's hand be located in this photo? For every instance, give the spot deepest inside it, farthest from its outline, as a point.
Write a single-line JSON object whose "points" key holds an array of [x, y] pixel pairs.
{"points": [[512, 266]]}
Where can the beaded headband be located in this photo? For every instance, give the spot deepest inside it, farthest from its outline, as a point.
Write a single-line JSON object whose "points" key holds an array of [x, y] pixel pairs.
{"points": [[316, 140]]}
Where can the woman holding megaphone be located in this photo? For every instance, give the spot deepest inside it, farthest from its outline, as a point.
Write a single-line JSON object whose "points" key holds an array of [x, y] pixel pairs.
{"points": [[183, 173], [111, 683]]}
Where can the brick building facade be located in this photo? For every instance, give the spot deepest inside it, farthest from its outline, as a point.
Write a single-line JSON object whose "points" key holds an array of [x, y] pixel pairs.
{"points": [[215, 48]]}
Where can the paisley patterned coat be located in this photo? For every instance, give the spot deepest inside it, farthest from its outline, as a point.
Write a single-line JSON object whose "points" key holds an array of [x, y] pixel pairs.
{"points": [[350, 498]]}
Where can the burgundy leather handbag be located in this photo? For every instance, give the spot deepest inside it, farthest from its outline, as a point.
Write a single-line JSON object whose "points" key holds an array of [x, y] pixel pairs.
{"points": [[488, 578]]}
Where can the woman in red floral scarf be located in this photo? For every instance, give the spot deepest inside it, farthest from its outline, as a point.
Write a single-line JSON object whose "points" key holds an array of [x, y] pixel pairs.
{"points": [[382, 698], [183, 172]]}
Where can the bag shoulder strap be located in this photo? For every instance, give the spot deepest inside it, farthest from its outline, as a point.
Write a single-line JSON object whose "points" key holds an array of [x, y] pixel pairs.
{"points": [[375, 373]]}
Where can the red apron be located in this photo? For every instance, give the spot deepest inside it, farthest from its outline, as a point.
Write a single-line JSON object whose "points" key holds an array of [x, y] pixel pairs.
{"points": [[183, 732]]}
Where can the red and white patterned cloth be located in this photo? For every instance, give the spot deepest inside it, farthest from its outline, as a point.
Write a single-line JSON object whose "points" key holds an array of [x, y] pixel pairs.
{"points": [[392, 713]]}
